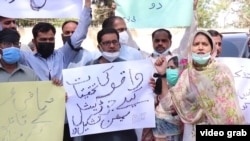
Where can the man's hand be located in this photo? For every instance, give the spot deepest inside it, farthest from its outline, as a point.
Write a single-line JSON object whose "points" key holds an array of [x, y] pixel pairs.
{"points": [[161, 65], [152, 83], [56, 82], [113, 6]]}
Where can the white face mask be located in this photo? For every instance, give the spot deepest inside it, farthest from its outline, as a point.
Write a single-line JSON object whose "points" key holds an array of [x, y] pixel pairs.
{"points": [[110, 56], [123, 37], [161, 54]]}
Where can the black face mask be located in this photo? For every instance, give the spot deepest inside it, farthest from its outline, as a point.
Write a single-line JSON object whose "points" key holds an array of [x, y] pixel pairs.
{"points": [[65, 39], [45, 49]]}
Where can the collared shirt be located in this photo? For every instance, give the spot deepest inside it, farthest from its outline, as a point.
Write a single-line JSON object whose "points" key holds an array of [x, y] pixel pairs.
{"points": [[129, 53], [21, 73], [52, 67], [97, 61], [156, 56], [126, 53], [81, 59], [25, 48]]}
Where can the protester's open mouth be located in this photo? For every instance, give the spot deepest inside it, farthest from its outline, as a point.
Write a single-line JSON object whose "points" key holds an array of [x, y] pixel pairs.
{"points": [[200, 53]]}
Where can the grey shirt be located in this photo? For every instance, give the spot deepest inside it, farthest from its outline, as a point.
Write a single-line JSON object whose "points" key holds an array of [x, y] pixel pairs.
{"points": [[21, 73]]}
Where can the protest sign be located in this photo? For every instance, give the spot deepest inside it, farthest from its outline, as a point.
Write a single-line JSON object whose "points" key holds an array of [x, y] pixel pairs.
{"points": [[109, 97], [31, 111]]}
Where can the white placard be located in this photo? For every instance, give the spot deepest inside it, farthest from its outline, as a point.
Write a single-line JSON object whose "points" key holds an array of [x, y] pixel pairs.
{"points": [[240, 68], [109, 97], [41, 8]]}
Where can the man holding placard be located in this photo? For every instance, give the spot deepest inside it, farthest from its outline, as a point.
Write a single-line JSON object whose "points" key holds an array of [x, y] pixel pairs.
{"points": [[108, 44]]}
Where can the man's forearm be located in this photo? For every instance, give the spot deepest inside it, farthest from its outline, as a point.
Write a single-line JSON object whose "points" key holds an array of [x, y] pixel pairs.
{"points": [[82, 29]]}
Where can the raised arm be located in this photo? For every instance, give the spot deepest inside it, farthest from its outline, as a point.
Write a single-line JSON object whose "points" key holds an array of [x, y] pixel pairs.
{"points": [[82, 29], [70, 48], [182, 49]]}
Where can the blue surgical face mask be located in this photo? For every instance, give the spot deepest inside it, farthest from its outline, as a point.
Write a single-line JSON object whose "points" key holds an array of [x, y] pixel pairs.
{"points": [[201, 58], [163, 53], [172, 76], [11, 55]]}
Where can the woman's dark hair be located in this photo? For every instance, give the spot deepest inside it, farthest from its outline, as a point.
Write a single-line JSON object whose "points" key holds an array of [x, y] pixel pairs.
{"points": [[175, 60]]}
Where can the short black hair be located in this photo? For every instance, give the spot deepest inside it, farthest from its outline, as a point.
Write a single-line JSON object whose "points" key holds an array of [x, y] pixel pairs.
{"points": [[164, 30], [69, 21], [9, 35], [42, 27], [108, 22], [214, 33], [106, 31]]}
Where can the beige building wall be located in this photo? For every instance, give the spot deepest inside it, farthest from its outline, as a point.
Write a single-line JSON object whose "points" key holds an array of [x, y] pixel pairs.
{"points": [[141, 36]]}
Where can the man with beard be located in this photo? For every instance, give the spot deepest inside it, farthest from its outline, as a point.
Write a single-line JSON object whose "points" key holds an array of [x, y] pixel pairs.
{"points": [[217, 37], [10, 23], [162, 41], [47, 62]]}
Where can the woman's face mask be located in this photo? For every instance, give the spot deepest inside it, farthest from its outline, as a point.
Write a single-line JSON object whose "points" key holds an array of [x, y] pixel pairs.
{"points": [[201, 58], [172, 76]]}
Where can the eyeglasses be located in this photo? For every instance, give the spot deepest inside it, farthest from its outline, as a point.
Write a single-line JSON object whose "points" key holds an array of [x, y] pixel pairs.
{"points": [[9, 44], [108, 43]]}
